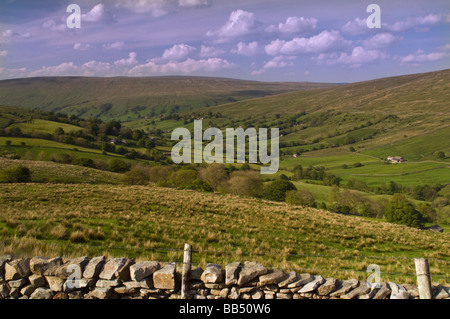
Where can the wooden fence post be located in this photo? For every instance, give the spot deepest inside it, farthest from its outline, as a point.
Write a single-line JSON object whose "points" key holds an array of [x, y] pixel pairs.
{"points": [[186, 271], [423, 278]]}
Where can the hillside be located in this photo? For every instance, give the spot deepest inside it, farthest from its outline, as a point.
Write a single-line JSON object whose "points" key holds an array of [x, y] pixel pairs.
{"points": [[131, 98], [153, 222]]}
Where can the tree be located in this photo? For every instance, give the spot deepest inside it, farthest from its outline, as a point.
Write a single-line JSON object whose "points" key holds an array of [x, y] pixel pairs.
{"points": [[215, 175], [401, 211], [277, 189], [246, 183], [440, 155], [17, 174], [118, 166], [138, 175], [301, 197]]}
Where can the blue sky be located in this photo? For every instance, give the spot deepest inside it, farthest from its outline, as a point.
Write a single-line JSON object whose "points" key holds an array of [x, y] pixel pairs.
{"points": [[283, 40]]}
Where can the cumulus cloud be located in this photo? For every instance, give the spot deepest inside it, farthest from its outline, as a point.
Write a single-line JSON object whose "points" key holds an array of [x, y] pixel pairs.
{"points": [[381, 40], [193, 3], [131, 60], [14, 34], [210, 52], [174, 67], [114, 45], [294, 25], [176, 53], [410, 23], [420, 56], [323, 42], [355, 27], [83, 46], [240, 23], [277, 62], [247, 49], [98, 14], [156, 8], [356, 58]]}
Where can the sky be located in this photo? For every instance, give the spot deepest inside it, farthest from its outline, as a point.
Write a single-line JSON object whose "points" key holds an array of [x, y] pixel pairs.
{"points": [[282, 40]]}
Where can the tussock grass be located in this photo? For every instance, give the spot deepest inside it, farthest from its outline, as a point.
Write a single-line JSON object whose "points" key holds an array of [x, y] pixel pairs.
{"points": [[154, 223]]}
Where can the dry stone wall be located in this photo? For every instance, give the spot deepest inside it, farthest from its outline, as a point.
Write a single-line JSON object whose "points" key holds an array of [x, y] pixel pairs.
{"points": [[123, 278]]}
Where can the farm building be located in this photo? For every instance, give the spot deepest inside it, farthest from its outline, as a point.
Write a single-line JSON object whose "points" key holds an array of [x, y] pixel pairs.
{"points": [[395, 159]]}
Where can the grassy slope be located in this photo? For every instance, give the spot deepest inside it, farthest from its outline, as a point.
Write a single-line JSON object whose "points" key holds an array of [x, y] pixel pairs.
{"points": [[131, 97], [140, 221], [45, 171]]}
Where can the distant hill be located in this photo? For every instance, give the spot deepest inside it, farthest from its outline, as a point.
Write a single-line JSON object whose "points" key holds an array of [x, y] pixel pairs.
{"points": [[131, 98]]}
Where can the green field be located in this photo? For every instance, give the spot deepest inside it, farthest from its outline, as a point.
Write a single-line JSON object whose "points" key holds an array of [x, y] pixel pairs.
{"points": [[44, 126], [153, 223]]}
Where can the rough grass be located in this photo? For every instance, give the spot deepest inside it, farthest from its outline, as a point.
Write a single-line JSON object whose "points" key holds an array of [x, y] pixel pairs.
{"points": [[154, 223]]}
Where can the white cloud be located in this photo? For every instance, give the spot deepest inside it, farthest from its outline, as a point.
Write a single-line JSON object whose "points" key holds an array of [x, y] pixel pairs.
{"points": [[156, 8], [98, 14], [95, 68], [240, 23], [323, 42], [358, 57], [277, 62], [187, 67], [113, 46], [193, 3], [127, 62], [355, 27], [294, 25], [53, 26], [210, 52], [420, 56], [410, 23], [247, 49], [176, 53], [381, 40], [82, 46], [14, 34], [3, 53]]}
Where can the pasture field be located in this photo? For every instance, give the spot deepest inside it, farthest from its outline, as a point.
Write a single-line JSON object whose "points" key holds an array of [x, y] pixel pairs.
{"points": [[153, 223]]}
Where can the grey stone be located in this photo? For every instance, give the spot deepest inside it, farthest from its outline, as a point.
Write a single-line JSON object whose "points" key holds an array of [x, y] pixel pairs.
{"points": [[164, 278], [19, 283], [383, 292], [234, 293], [291, 277], [37, 280], [4, 291], [123, 273], [45, 266], [362, 289], [102, 283], [42, 293], [272, 278], [213, 274], [328, 287], [257, 294], [232, 273], [196, 273], [94, 267], [56, 284], [347, 285], [17, 268], [250, 271], [441, 293], [313, 285], [27, 290], [72, 268], [143, 269], [302, 280], [101, 293], [111, 267]]}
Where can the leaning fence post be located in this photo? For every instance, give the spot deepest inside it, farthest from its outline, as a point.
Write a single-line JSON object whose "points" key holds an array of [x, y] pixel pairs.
{"points": [[186, 271], [423, 278]]}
